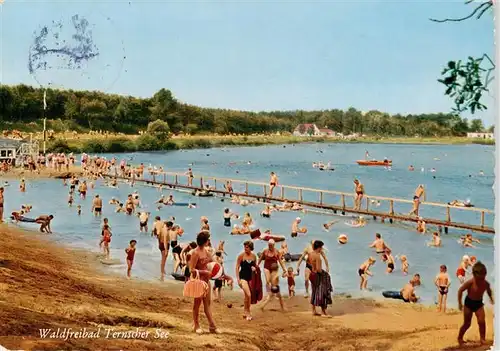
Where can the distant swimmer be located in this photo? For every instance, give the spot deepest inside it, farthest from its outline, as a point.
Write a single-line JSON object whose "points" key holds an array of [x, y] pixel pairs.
{"points": [[481, 173], [97, 205], [364, 273], [436, 240], [421, 226], [266, 212], [129, 205], [79, 209], [411, 168], [357, 222], [467, 240], [114, 201], [328, 225], [359, 189], [70, 199], [442, 283], [460, 203], [273, 182], [227, 215]]}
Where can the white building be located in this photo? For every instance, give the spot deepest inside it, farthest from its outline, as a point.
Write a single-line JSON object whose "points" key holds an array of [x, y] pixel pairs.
{"points": [[481, 135]]}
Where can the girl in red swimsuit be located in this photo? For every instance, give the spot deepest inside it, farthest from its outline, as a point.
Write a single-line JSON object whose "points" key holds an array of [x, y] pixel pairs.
{"points": [[130, 251]]}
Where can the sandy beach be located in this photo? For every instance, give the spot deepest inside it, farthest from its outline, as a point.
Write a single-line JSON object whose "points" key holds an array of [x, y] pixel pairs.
{"points": [[45, 286]]}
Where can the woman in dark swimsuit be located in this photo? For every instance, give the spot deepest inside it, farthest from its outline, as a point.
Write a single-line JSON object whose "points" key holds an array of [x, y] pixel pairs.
{"points": [[198, 261], [271, 258], [245, 265]]}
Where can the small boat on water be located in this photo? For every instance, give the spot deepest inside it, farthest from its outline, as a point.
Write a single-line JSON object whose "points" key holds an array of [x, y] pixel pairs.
{"points": [[384, 163]]}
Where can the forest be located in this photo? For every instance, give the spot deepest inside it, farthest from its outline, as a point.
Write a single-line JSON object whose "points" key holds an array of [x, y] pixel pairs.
{"points": [[81, 111]]}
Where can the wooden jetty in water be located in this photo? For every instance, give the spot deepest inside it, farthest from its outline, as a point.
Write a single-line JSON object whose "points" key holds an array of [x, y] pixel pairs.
{"points": [[375, 206]]}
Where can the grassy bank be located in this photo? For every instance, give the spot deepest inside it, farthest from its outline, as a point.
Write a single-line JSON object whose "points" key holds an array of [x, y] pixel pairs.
{"points": [[45, 286], [131, 143]]}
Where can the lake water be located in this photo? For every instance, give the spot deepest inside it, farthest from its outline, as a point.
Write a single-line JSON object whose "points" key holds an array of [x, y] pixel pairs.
{"points": [[456, 177]]}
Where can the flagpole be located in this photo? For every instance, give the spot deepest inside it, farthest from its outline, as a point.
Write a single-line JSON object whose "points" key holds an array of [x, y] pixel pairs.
{"points": [[44, 121]]}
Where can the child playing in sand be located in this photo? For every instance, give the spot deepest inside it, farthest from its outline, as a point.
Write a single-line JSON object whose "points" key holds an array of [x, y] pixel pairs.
{"points": [[442, 283], [404, 264], [130, 251], [473, 304], [290, 275], [364, 272]]}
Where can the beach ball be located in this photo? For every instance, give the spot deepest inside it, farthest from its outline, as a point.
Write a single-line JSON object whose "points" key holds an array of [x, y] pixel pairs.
{"points": [[180, 231], [303, 230], [216, 269], [342, 239]]}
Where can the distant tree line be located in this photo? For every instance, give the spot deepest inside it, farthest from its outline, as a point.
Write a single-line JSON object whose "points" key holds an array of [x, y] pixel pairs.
{"points": [[92, 110]]}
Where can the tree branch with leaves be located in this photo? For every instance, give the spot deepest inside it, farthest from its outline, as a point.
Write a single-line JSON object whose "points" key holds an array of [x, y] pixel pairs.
{"points": [[466, 82]]}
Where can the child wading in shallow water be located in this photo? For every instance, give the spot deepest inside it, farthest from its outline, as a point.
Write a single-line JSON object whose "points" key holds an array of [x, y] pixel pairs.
{"points": [[442, 283], [130, 251], [473, 304], [364, 272], [290, 275]]}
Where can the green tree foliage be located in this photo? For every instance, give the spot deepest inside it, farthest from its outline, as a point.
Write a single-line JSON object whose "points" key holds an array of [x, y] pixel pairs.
{"points": [[159, 129], [466, 82], [22, 106], [476, 125]]}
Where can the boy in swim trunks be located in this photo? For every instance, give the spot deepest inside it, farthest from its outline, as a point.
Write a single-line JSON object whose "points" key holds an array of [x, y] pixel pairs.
{"points": [[476, 287], [442, 283], [364, 272], [408, 291], [97, 205]]}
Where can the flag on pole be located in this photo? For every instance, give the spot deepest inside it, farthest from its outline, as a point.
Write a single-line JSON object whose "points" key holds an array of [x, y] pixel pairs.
{"points": [[45, 99]]}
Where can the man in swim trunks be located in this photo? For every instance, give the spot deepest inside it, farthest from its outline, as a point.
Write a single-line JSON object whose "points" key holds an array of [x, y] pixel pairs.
{"points": [[442, 283], [307, 271], [419, 192], [295, 227], [163, 244], [143, 221], [44, 222], [321, 294], [97, 205], [359, 189], [379, 244], [273, 182]]}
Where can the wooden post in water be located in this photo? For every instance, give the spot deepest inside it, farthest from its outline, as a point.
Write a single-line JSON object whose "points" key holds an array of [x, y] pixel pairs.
{"points": [[367, 204], [246, 188], [321, 198], [448, 216], [176, 180], [482, 218], [164, 177], [282, 192], [201, 182], [391, 207], [300, 195], [265, 190], [343, 201]]}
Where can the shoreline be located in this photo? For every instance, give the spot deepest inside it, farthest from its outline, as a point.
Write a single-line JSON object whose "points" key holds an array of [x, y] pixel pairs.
{"points": [[132, 143], [71, 291]]}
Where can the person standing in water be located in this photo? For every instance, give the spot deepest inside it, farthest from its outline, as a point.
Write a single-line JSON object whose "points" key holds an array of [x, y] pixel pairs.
{"points": [[379, 244], [443, 283], [22, 186], [130, 251], [359, 189], [273, 182], [97, 205]]}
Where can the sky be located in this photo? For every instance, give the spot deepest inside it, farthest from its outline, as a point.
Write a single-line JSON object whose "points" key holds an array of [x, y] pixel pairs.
{"points": [[258, 55]]}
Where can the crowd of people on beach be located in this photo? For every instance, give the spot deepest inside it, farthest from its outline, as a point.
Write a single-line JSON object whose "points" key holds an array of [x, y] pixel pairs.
{"points": [[198, 262]]}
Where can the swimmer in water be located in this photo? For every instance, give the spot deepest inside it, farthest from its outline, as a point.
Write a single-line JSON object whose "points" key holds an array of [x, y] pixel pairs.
{"points": [[143, 221], [389, 260], [70, 199], [266, 212], [227, 215], [421, 226], [436, 240], [79, 209], [22, 186], [114, 201], [295, 228], [411, 168], [467, 240], [364, 273], [328, 225], [442, 283], [379, 244]]}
